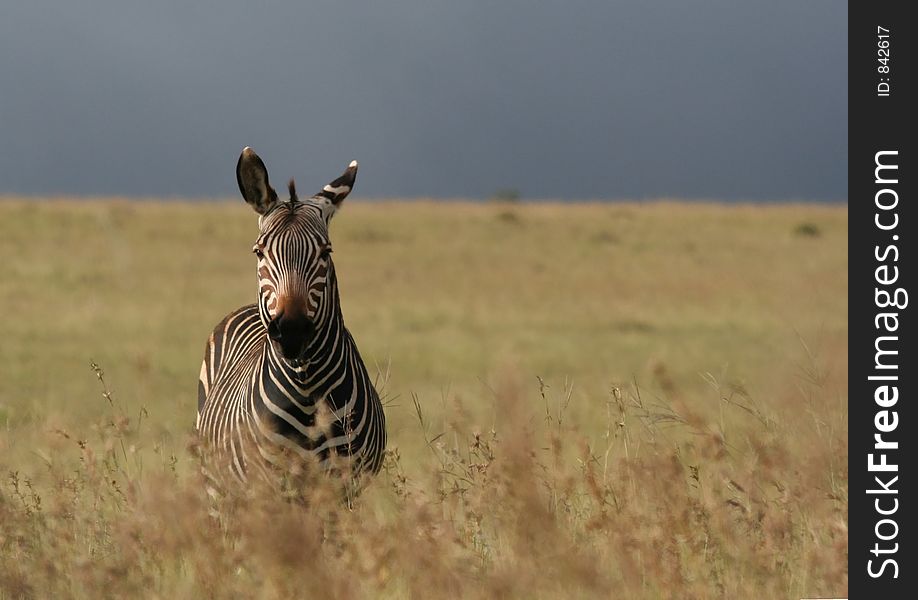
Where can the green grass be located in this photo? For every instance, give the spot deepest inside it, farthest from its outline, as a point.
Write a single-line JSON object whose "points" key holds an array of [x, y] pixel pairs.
{"points": [[458, 303]]}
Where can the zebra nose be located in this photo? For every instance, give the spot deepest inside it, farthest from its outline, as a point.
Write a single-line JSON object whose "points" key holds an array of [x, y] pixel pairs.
{"points": [[291, 332]]}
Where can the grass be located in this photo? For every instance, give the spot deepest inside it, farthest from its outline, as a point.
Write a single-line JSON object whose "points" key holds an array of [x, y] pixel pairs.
{"points": [[583, 400]]}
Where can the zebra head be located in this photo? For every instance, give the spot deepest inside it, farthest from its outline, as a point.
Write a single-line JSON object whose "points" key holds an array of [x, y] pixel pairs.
{"points": [[298, 294]]}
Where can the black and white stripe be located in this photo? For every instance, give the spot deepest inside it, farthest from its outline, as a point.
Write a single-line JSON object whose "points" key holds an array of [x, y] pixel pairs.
{"points": [[282, 384]]}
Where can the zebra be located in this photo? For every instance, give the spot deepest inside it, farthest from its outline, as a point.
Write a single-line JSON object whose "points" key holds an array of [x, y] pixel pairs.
{"points": [[282, 385]]}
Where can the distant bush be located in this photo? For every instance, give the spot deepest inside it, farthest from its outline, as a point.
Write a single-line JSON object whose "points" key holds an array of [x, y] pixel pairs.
{"points": [[807, 229], [510, 217]]}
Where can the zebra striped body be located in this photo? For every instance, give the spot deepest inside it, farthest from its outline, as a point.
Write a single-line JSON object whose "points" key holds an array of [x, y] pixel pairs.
{"points": [[282, 384]]}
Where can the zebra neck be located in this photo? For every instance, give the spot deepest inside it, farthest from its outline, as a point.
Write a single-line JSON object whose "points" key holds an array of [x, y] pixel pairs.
{"points": [[324, 373]]}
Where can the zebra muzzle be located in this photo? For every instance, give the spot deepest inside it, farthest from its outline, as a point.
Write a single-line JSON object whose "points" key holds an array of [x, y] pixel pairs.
{"points": [[291, 334]]}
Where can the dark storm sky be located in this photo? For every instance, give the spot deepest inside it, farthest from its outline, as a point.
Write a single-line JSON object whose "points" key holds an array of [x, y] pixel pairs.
{"points": [[575, 99]]}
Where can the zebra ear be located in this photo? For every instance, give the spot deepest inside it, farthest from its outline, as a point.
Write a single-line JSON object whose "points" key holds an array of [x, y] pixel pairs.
{"points": [[336, 191], [252, 177]]}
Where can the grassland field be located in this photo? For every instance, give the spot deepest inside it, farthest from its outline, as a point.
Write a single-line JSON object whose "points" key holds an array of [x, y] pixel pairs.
{"points": [[676, 373]]}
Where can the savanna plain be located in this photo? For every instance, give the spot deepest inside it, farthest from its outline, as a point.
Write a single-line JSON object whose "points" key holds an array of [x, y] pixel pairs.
{"points": [[610, 400]]}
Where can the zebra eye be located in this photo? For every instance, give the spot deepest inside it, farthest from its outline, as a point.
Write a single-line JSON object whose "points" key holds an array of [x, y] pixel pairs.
{"points": [[257, 251], [325, 252]]}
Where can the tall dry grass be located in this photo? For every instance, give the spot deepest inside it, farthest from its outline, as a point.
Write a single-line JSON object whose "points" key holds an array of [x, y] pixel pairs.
{"points": [[663, 504]]}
